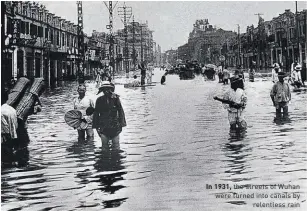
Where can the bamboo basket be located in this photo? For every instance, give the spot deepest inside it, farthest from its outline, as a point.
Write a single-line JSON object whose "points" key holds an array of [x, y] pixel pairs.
{"points": [[18, 91], [27, 102]]}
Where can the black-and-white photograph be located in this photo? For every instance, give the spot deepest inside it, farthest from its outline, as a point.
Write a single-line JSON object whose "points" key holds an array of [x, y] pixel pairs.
{"points": [[153, 105]]}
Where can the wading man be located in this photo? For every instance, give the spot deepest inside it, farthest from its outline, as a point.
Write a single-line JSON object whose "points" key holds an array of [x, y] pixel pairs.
{"points": [[109, 116], [81, 103], [281, 95], [234, 101]]}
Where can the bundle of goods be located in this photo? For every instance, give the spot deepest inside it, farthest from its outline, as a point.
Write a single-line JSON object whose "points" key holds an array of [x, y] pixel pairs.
{"points": [[30, 97], [18, 91]]}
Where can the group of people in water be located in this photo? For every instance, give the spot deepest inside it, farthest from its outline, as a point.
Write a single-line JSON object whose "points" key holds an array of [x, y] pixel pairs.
{"points": [[103, 112], [235, 99]]}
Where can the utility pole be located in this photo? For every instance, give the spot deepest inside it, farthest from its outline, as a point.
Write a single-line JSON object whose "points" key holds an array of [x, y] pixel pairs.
{"points": [[141, 43], [111, 36], [258, 46], [142, 49], [133, 44], [3, 25], [125, 14], [297, 34], [80, 60], [239, 45]]}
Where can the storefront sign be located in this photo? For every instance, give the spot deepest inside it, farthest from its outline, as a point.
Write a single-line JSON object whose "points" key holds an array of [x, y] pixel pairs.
{"points": [[16, 32]]}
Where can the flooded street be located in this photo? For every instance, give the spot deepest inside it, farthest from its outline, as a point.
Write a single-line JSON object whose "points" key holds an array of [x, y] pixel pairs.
{"points": [[176, 141]]}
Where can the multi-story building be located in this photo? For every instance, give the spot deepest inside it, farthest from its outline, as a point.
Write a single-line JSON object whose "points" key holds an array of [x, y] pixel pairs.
{"points": [[280, 40], [37, 43], [140, 41], [204, 43], [171, 57]]}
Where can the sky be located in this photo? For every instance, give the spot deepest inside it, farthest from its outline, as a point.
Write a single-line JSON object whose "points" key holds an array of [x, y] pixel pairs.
{"points": [[172, 21]]}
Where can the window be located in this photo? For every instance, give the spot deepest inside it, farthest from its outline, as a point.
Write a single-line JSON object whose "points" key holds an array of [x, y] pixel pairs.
{"points": [[27, 28], [51, 36], [40, 31], [22, 27], [46, 33], [33, 29], [57, 37], [9, 26], [301, 29], [63, 39], [67, 42], [291, 33], [24, 10]]}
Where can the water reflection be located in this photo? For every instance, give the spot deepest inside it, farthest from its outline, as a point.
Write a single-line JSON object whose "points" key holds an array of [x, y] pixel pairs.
{"points": [[110, 171], [237, 156], [11, 158]]}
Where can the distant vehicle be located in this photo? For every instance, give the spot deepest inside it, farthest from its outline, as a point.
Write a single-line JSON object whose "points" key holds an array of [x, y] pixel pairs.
{"points": [[186, 72]]}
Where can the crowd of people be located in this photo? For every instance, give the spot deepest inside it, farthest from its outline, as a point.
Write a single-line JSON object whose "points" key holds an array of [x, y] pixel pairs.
{"points": [[235, 99]]}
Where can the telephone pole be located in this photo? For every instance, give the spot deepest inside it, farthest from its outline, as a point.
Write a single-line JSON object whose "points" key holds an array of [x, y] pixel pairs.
{"points": [[111, 37], [125, 14], [80, 60], [133, 44], [258, 40], [297, 35], [142, 49], [141, 43], [239, 45]]}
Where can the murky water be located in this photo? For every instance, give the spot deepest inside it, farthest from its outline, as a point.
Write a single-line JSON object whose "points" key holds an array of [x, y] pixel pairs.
{"points": [[177, 141]]}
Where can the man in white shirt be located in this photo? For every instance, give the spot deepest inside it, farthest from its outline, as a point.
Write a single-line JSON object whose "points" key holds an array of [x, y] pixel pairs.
{"points": [[296, 76], [81, 103], [9, 122]]}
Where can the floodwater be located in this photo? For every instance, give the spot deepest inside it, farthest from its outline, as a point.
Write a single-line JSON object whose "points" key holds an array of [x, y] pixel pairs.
{"points": [[176, 142]]}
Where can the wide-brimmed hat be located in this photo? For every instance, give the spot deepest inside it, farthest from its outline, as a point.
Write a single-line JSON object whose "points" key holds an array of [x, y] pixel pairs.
{"points": [[282, 74], [106, 85], [298, 67]]}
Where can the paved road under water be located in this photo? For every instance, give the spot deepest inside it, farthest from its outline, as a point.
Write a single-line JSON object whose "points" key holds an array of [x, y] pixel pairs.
{"points": [[177, 141]]}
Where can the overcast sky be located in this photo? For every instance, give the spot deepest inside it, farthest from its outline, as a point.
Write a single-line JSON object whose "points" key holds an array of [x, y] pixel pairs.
{"points": [[172, 21]]}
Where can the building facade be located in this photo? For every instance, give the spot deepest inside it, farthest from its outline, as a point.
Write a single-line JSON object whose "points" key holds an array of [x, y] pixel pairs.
{"points": [[281, 40], [204, 43], [37, 43]]}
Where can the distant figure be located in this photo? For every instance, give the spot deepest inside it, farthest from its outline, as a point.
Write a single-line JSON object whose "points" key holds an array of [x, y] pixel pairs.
{"points": [[220, 75], [297, 77], [281, 95], [293, 65], [276, 69], [226, 75], [142, 67], [252, 72], [135, 81], [304, 72], [149, 76], [163, 79]]}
